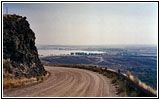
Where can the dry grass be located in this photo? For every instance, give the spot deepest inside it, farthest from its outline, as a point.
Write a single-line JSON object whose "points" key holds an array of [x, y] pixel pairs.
{"points": [[6, 73], [147, 87], [128, 74], [42, 77], [112, 76], [5, 15], [6, 60], [18, 19], [137, 81], [12, 83]]}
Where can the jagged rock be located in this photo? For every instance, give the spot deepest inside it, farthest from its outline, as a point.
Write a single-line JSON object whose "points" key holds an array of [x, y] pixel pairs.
{"points": [[19, 47]]}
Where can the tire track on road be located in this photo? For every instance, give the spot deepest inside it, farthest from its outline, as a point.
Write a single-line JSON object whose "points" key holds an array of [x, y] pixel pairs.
{"points": [[67, 82]]}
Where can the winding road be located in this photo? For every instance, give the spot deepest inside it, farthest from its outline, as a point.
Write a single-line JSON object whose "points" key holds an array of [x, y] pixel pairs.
{"points": [[67, 82]]}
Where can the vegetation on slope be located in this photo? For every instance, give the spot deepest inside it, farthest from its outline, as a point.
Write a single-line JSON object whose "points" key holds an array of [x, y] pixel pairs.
{"points": [[124, 88], [10, 81], [142, 67], [20, 56]]}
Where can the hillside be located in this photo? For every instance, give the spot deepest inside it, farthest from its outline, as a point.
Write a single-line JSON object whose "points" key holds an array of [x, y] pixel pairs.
{"points": [[20, 57], [142, 67]]}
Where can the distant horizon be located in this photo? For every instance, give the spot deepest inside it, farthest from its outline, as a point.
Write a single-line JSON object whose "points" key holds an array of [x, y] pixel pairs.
{"points": [[102, 45], [90, 23]]}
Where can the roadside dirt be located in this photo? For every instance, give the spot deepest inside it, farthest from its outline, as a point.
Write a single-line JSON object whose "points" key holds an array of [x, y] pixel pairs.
{"points": [[67, 82]]}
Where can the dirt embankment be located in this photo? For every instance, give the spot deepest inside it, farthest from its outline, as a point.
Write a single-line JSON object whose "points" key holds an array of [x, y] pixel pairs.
{"points": [[67, 82]]}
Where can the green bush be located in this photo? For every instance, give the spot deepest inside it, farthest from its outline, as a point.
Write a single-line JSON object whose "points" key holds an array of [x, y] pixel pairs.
{"points": [[122, 87], [114, 80]]}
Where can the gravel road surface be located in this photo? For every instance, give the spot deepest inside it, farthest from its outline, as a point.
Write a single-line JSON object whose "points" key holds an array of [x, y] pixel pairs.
{"points": [[67, 82]]}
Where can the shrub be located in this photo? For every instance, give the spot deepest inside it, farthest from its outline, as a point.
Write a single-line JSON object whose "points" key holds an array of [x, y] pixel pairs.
{"points": [[122, 87], [24, 17], [5, 73], [110, 75], [6, 62], [41, 77], [114, 80], [38, 78], [105, 73], [7, 66]]}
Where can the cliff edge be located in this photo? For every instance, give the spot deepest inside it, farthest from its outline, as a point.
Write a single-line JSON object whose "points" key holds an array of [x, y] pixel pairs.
{"points": [[19, 50]]}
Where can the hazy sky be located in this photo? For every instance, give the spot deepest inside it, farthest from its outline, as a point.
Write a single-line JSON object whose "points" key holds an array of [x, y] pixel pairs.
{"points": [[90, 23]]}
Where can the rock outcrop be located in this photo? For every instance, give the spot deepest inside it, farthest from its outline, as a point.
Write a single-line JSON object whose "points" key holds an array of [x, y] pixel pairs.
{"points": [[19, 47]]}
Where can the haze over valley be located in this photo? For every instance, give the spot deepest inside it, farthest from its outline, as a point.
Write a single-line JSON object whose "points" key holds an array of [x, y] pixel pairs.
{"points": [[140, 60], [80, 49]]}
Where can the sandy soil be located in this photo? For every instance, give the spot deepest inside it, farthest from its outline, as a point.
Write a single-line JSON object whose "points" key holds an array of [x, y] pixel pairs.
{"points": [[67, 82]]}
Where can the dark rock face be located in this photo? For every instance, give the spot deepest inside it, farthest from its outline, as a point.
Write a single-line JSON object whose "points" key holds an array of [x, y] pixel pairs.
{"points": [[19, 47]]}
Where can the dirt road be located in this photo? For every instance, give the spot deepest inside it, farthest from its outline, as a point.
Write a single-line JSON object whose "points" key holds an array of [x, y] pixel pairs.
{"points": [[68, 82]]}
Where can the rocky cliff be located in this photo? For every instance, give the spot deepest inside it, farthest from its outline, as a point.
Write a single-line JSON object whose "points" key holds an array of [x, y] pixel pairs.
{"points": [[19, 47]]}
